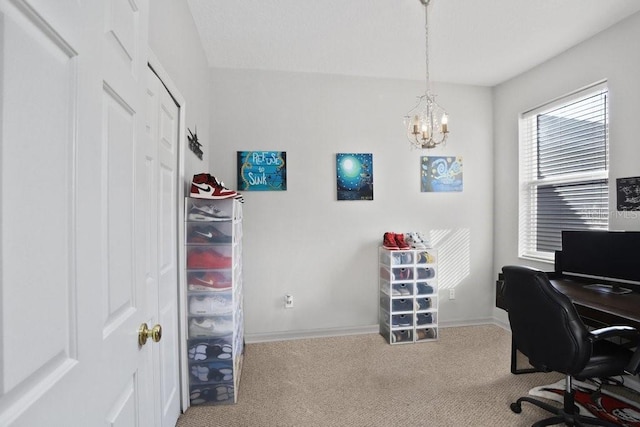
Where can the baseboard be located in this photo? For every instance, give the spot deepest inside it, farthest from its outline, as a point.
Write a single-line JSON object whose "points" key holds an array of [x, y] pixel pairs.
{"points": [[310, 333], [358, 330]]}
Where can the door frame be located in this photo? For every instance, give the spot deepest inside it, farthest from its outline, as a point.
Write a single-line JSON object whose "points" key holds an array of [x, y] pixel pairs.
{"points": [[158, 69]]}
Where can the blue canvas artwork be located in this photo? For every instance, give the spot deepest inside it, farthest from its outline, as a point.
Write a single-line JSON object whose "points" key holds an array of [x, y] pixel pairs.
{"points": [[440, 174], [262, 170], [354, 176]]}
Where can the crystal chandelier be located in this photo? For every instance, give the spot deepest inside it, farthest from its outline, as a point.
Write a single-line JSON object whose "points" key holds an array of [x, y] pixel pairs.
{"points": [[427, 122]]}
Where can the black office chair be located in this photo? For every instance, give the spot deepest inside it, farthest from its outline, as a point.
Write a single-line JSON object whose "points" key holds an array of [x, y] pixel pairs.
{"points": [[547, 329]]}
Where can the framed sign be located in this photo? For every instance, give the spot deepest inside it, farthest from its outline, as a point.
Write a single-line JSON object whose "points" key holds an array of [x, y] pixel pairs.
{"points": [[628, 190], [262, 170]]}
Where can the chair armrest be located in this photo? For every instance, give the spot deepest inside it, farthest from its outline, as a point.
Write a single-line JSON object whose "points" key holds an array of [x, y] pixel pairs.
{"points": [[634, 364], [626, 332], [614, 331]]}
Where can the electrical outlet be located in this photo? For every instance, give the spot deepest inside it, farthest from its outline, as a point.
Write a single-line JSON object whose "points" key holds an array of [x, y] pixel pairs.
{"points": [[452, 293], [288, 301]]}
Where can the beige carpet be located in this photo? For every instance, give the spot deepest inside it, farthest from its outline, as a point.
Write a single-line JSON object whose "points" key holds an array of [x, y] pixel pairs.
{"points": [[462, 379]]}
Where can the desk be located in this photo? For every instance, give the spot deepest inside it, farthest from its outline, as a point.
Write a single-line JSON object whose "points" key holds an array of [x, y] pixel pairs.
{"points": [[596, 309], [599, 309]]}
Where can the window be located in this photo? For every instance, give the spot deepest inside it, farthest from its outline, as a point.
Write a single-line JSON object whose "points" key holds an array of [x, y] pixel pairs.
{"points": [[564, 170]]}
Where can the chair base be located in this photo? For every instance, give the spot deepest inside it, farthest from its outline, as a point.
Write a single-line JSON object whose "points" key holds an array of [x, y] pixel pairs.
{"points": [[567, 415]]}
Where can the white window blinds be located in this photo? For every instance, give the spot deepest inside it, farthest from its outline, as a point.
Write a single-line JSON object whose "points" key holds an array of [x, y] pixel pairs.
{"points": [[563, 170]]}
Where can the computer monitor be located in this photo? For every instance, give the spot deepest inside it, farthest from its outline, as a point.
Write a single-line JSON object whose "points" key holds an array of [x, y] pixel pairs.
{"points": [[613, 256]]}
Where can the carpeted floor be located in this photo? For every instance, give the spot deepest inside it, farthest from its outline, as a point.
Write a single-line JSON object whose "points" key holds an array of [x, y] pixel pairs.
{"points": [[462, 379]]}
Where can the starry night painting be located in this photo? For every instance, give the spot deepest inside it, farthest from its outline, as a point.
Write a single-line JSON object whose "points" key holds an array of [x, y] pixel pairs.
{"points": [[354, 176], [440, 174]]}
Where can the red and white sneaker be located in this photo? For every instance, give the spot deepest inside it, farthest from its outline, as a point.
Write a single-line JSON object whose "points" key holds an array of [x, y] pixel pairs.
{"points": [[238, 196], [205, 186]]}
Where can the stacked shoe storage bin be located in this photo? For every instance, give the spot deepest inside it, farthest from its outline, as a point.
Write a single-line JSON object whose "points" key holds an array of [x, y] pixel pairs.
{"points": [[213, 233], [408, 295]]}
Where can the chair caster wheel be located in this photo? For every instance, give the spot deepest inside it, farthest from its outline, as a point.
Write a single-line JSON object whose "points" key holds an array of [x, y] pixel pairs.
{"points": [[516, 407]]}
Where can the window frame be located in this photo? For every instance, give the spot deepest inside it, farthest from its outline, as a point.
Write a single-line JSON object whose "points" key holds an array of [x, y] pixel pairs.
{"points": [[528, 169]]}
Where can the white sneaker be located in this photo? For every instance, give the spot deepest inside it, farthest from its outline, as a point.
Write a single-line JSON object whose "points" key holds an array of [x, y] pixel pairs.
{"points": [[207, 213], [426, 242], [210, 327], [414, 240], [216, 305]]}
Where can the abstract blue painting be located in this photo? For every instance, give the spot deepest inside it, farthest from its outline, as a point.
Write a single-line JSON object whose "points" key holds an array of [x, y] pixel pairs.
{"points": [[354, 176], [440, 174]]}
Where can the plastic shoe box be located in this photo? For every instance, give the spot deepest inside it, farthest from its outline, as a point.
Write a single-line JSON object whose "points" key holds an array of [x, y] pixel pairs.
{"points": [[426, 334], [212, 394], [426, 288], [425, 257], [211, 373], [402, 289], [426, 303], [202, 350], [424, 273], [408, 290]]}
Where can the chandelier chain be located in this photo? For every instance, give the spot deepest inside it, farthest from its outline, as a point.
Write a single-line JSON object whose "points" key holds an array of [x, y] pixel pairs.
{"points": [[426, 37]]}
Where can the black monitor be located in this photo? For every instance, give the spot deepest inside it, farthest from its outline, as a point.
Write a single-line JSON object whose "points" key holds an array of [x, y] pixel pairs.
{"points": [[610, 255]]}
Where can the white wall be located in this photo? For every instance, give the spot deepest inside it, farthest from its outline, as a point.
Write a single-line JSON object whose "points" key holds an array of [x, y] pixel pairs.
{"points": [[611, 55], [174, 40], [323, 251]]}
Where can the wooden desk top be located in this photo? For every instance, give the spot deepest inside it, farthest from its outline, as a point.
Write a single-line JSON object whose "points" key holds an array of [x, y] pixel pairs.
{"points": [[608, 309]]}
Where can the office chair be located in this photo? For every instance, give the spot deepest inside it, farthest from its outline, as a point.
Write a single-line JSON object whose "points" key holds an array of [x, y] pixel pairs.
{"points": [[547, 329]]}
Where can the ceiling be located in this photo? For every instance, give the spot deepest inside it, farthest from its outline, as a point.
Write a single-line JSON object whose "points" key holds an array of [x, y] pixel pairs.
{"points": [[470, 41]]}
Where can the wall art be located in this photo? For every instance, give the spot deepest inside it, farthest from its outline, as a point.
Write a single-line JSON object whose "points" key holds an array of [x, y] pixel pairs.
{"points": [[354, 176], [262, 170], [194, 144], [628, 192], [440, 174]]}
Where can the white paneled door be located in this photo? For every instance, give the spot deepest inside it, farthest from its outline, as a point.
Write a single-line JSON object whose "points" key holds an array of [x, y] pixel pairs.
{"points": [[87, 220]]}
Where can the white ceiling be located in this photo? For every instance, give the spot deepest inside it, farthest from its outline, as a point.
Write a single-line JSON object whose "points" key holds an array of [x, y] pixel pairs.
{"points": [[478, 42]]}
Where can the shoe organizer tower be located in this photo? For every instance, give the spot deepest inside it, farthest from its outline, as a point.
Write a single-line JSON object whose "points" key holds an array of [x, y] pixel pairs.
{"points": [[213, 278], [408, 295]]}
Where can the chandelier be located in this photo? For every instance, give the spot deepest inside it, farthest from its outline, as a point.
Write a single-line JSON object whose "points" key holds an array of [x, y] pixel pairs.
{"points": [[427, 122]]}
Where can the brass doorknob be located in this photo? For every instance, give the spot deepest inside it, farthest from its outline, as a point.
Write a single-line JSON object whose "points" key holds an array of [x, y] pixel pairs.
{"points": [[145, 333]]}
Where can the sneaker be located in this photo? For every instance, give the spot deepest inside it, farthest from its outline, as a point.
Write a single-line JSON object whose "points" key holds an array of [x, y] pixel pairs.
{"points": [[402, 305], [207, 258], [401, 289], [426, 334], [400, 242], [238, 196], [402, 320], [424, 318], [204, 373], [389, 241], [207, 213], [423, 303], [425, 258], [210, 327], [414, 241], [426, 273], [208, 281], [207, 234], [218, 393], [204, 351], [425, 241], [210, 305], [400, 336], [205, 186], [424, 288], [402, 273]]}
